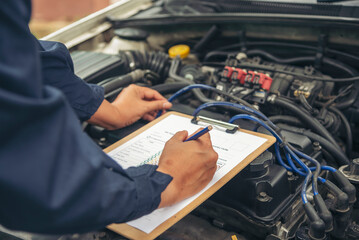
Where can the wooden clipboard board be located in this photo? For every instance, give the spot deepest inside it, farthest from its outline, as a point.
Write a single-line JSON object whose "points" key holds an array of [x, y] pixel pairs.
{"points": [[134, 233]]}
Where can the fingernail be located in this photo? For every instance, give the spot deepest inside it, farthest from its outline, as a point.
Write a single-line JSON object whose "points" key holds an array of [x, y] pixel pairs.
{"points": [[166, 105]]}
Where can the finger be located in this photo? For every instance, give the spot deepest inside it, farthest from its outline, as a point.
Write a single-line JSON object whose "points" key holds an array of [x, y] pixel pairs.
{"points": [[206, 138], [180, 136], [166, 105], [162, 111], [150, 94], [150, 116], [153, 113], [158, 105]]}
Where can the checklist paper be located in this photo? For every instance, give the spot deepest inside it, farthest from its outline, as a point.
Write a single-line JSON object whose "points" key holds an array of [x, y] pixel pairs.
{"points": [[146, 148]]}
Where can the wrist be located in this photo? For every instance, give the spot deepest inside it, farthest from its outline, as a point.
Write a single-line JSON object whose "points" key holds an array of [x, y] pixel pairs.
{"points": [[168, 196], [107, 116]]}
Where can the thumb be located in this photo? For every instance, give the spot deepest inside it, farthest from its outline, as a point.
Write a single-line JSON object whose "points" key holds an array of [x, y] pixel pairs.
{"points": [[158, 105], [180, 136]]}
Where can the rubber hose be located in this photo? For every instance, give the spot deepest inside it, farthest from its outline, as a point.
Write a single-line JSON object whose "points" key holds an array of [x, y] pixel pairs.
{"points": [[117, 83], [113, 93], [338, 155], [292, 45], [348, 130], [157, 62], [176, 62], [351, 99], [197, 92], [166, 88], [217, 54], [333, 63], [123, 81], [285, 119], [266, 68], [349, 102], [308, 119], [345, 68], [107, 80], [200, 96], [212, 32], [305, 104], [329, 157]]}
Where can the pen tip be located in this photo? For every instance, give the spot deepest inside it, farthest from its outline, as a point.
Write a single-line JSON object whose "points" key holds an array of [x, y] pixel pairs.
{"points": [[210, 127]]}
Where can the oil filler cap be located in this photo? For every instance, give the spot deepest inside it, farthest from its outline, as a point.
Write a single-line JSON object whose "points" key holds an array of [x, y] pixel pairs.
{"points": [[181, 50], [261, 163]]}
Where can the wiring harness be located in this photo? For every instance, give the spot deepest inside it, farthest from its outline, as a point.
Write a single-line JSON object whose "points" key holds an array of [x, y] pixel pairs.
{"points": [[321, 219]]}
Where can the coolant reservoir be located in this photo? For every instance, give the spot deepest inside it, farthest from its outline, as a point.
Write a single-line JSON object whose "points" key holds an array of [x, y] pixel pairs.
{"points": [[181, 50]]}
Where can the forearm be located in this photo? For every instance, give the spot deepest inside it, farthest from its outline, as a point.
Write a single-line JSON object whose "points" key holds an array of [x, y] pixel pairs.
{"points": [[106, 116]]}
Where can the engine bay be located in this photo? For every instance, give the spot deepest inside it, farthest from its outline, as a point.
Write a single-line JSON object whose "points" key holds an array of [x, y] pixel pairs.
{"points": [[303, 81]]}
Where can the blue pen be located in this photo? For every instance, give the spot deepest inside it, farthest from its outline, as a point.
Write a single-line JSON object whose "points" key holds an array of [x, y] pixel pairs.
{"points": [[200, 133]]}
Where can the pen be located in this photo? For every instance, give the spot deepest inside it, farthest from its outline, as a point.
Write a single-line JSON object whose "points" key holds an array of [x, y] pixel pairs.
{"points": [[200, 133]]}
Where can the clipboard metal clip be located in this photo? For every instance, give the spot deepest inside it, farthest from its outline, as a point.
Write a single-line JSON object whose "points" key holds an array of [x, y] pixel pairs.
{"points": [[230, 128]]}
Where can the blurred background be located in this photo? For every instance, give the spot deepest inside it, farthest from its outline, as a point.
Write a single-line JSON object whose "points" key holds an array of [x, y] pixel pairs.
{"points": [[51, 15]]}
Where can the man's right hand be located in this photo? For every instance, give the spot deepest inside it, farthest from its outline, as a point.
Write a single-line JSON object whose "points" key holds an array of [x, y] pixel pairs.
{"points": [[192, 165]]}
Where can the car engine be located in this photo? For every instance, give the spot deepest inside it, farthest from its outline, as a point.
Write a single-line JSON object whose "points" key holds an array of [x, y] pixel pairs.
{"points": [[306, 84]]}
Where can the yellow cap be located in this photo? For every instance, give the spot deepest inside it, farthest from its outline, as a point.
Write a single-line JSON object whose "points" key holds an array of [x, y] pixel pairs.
{"points": [[179, 50]]}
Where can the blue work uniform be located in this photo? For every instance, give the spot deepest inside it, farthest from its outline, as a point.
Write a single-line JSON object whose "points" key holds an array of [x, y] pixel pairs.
{"points": [[53, 177]]}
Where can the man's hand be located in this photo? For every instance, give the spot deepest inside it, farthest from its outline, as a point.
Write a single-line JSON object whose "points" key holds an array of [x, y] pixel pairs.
{"points": [[192, 165], [136, 102], [133, 103]]}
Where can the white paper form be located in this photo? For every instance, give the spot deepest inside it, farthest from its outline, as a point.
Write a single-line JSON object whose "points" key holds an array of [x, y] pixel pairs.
{"points": [[147, 147]]}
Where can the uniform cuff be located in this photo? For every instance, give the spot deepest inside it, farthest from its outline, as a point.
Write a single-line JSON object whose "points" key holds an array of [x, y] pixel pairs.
{"points": [[97, 98], [149, 184], [58, 72]]}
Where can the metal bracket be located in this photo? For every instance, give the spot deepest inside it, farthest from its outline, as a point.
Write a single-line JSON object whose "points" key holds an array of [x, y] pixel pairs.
{"points": [[230, 128], [322, 43], [242, 40]]}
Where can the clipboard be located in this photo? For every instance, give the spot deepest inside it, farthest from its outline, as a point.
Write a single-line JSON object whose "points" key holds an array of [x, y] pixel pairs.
{"points": [[134, 233]]}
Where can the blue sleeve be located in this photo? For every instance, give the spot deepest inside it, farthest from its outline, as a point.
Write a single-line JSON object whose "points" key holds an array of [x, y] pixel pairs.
{"points": [[58, 71], [53, 178]]}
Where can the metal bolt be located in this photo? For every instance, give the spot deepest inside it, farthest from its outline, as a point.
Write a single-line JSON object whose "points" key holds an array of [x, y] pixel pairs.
{"points": [[291, 176], [271, 98], [263, 194], [316, 146], [263, 197]]}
